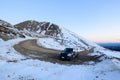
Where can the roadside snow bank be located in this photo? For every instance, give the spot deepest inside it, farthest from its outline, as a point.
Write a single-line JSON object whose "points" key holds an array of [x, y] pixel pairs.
{"points": [[40, 70], [111, 53], [116, 62], [50, 43], [67, 39], [7, 51], [79, 40]]}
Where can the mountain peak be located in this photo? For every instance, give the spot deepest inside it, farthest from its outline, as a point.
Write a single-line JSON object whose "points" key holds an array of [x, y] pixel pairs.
{"points": [[5, 23], [7, 31], [40, 28]]}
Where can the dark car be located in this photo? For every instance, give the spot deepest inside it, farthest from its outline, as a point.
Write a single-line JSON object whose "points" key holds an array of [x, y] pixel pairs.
{"points": [[67, 54]]}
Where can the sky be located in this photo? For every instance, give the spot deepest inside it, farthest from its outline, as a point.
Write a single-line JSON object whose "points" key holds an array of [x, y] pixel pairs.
{"points": [[95, 20]]}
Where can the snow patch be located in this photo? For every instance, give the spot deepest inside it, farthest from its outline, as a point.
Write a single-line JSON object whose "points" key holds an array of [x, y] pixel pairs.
{"points": [[50, 43], [7, 51], [40, 70]]}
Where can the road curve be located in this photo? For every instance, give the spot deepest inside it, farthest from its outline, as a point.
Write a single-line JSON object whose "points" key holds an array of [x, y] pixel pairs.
{"points": [[29, 48], [31, 45]]}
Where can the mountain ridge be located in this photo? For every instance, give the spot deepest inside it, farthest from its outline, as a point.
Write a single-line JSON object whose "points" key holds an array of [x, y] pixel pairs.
{"points": [[36, 29]]}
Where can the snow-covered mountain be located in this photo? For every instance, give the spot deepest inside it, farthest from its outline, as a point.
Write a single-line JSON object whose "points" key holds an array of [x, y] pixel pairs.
{"points": [[48, 35], [35, 29], [7, 31], [22, 44], [5, 24], [66, 39]]}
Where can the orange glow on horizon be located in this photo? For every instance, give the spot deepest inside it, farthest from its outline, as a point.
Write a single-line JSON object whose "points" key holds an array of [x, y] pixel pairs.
{"points": [[105, 39]]}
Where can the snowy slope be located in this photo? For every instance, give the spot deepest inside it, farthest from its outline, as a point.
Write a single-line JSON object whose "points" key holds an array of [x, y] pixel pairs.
{"points": [[4, 23], [50, 43], [60, 36], [38, 70], [14, 66], [67, 39], [37, 29], [7, 31], [7, 51]]}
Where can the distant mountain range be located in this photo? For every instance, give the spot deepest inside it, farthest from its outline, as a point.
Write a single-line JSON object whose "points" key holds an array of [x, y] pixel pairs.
{"points": [[111, 46]]}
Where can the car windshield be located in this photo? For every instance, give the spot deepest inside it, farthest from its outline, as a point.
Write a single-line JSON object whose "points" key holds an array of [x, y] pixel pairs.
{"points": [[68, 50]]}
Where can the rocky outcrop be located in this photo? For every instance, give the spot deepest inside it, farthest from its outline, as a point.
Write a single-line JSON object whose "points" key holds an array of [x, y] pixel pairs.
{"points": [[39, 28], [29, 28], [8, 32], [5, 24]]}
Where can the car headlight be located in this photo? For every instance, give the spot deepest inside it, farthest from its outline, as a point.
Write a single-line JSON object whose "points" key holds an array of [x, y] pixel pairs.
{"points": [[69, 55]]}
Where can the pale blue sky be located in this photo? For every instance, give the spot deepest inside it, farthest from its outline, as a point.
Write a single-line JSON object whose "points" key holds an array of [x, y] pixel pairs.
{"points": [[96, 20]]}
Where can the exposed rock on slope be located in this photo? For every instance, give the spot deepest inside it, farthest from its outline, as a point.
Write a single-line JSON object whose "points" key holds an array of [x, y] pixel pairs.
{"points": [[48, 30], [5, 24], [37, 29], [7, 31], [49, 35], [60, 35]]}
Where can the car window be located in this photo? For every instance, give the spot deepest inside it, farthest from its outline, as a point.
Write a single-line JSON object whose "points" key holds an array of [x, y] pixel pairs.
{"points": [[68, 50]]}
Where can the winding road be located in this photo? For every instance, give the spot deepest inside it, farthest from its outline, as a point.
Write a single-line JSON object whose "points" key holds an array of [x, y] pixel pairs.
{"points": [[30, 49]]}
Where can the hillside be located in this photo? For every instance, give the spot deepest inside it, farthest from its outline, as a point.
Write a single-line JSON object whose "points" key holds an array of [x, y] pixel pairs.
{"points": [[7, 31], [37, 29], [14, 66], [30, 51]]}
